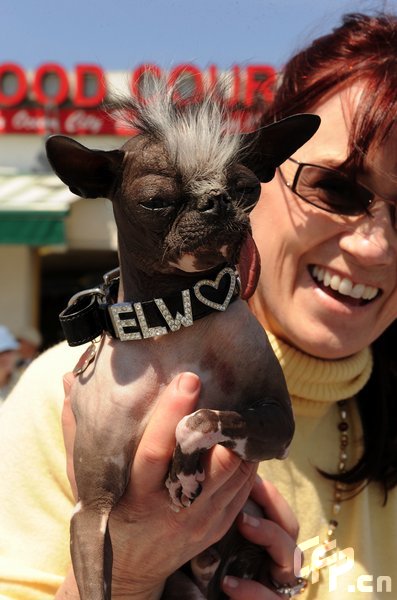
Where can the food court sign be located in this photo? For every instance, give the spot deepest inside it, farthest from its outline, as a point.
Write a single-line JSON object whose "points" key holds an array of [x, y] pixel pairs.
{"points": [[53, 100]]}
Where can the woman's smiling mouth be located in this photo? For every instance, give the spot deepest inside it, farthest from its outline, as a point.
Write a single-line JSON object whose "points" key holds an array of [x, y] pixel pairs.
{"points": [[343, 288]]}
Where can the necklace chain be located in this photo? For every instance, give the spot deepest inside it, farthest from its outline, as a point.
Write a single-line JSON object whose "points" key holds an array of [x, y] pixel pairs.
{"points": [[343, 427], [330, 541]]}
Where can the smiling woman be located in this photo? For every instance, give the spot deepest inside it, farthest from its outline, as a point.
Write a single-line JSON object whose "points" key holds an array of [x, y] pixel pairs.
{"points": [[324, 223]]}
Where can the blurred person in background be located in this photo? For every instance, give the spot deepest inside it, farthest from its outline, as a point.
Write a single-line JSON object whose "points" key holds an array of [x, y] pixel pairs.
{"points": [[30, 341]]}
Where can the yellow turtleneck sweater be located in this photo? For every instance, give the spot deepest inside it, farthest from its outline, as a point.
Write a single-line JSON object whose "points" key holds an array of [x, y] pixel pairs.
{"points": [[36, 501], [365, 527]]}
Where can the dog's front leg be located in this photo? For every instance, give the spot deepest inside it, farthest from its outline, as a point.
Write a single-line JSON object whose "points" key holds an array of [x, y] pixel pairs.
{"points": [[261, 432]]}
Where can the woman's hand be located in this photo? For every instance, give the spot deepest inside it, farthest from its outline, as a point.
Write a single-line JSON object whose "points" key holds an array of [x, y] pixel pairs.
{"points": [[277, 534], [149, 539]]}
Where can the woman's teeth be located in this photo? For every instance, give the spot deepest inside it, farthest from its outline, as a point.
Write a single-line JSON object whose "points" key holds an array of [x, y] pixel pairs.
{"points": [[343, 285]]}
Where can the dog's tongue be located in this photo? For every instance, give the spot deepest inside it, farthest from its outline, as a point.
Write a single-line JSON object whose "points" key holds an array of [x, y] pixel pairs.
{"points": [[249, 267]]}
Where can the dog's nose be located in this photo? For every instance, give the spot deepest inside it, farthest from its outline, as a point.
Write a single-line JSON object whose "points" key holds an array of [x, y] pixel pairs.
{"points": [[215, 204]]}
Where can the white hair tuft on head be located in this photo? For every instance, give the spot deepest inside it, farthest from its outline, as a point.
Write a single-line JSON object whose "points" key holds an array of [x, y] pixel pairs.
{"points": [[198, 133]]}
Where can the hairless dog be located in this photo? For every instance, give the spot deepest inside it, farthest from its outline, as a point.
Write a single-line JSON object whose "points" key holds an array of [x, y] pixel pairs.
{"points": [[182, 190]]}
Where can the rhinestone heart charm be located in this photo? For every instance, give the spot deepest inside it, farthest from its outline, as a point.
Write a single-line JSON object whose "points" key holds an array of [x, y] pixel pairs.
{"points": [[226, 272]]}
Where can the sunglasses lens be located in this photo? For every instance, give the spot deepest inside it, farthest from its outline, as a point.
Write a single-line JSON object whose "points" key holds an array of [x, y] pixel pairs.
{"points": [[332, 191]]}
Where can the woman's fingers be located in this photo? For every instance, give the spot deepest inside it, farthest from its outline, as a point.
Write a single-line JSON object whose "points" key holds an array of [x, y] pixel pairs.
{"points": [[277, 534], [244, 589], [275, 506], [280, 531], [280, 546], [227, 479]]}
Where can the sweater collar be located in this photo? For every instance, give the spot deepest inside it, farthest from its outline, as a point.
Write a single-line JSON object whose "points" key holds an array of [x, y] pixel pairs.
{"points": [[317, 380]]}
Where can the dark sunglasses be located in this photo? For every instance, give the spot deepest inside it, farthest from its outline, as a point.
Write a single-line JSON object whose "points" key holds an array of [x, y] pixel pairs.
{"points": [[329, 189]]}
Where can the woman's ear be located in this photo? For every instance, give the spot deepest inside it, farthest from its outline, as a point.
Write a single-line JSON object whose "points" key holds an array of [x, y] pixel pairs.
{"points": [[88, 173], [271, 145]]}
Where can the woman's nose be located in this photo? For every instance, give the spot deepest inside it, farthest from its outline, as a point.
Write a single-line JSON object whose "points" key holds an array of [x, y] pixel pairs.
{"points": [[373, 239]]}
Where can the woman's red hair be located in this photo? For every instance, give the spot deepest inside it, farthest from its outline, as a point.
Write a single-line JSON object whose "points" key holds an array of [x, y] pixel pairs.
{"points": [[362, 50]]}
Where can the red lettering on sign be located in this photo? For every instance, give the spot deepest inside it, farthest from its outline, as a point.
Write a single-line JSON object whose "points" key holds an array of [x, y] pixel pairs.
{"points": [[138, 77], [91, 121], [191, 74], [83, 73], [51, 100], [63, 85], [228, 89], [79, 121], [21, 84], [259, 84]]}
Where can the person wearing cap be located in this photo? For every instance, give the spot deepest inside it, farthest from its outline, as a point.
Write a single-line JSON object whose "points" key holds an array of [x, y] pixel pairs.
{"points": [[8, 360], [30, 341]]}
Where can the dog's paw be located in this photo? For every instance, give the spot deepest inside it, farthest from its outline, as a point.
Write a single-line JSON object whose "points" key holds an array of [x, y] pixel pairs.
{"points": [[184, 489], [195, 434]]}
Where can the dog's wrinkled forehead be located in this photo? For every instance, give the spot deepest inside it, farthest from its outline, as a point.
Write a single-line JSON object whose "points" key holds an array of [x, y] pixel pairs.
{"points": [[196, 139]]}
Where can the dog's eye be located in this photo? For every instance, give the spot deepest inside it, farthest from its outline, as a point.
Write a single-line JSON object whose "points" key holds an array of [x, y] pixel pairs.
{"points": [[156, 203], [248, 188], [248, 194]]}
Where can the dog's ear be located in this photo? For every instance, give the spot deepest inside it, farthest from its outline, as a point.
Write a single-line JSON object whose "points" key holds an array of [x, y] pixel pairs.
{"points": [[272, 145], [88, 173]]}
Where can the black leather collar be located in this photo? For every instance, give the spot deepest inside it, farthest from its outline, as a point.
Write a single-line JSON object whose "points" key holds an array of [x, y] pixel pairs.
{"points": [[93, 312]]}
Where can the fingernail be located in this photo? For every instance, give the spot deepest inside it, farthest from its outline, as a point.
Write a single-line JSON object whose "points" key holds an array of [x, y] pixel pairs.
{"points": [[230, 582], [188, 383], [249, 520]]}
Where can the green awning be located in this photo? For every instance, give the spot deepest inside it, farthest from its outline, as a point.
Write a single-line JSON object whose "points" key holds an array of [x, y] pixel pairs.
{"points": [[33, 209]]}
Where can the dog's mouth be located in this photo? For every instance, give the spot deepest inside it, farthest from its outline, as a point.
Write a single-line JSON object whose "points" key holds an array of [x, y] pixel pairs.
{"points": [[199, 244], [202, 259], [245, 257]]}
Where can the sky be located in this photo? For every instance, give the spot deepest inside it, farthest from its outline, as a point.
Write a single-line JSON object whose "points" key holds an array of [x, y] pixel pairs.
{"points": [[122, 34]]}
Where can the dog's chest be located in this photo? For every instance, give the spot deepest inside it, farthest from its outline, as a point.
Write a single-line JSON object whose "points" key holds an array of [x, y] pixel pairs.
{"points": [[213, 349]]}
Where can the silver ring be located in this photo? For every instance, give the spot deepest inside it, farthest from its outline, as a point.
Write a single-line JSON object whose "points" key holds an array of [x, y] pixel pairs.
{"points": [[289, 591]]}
